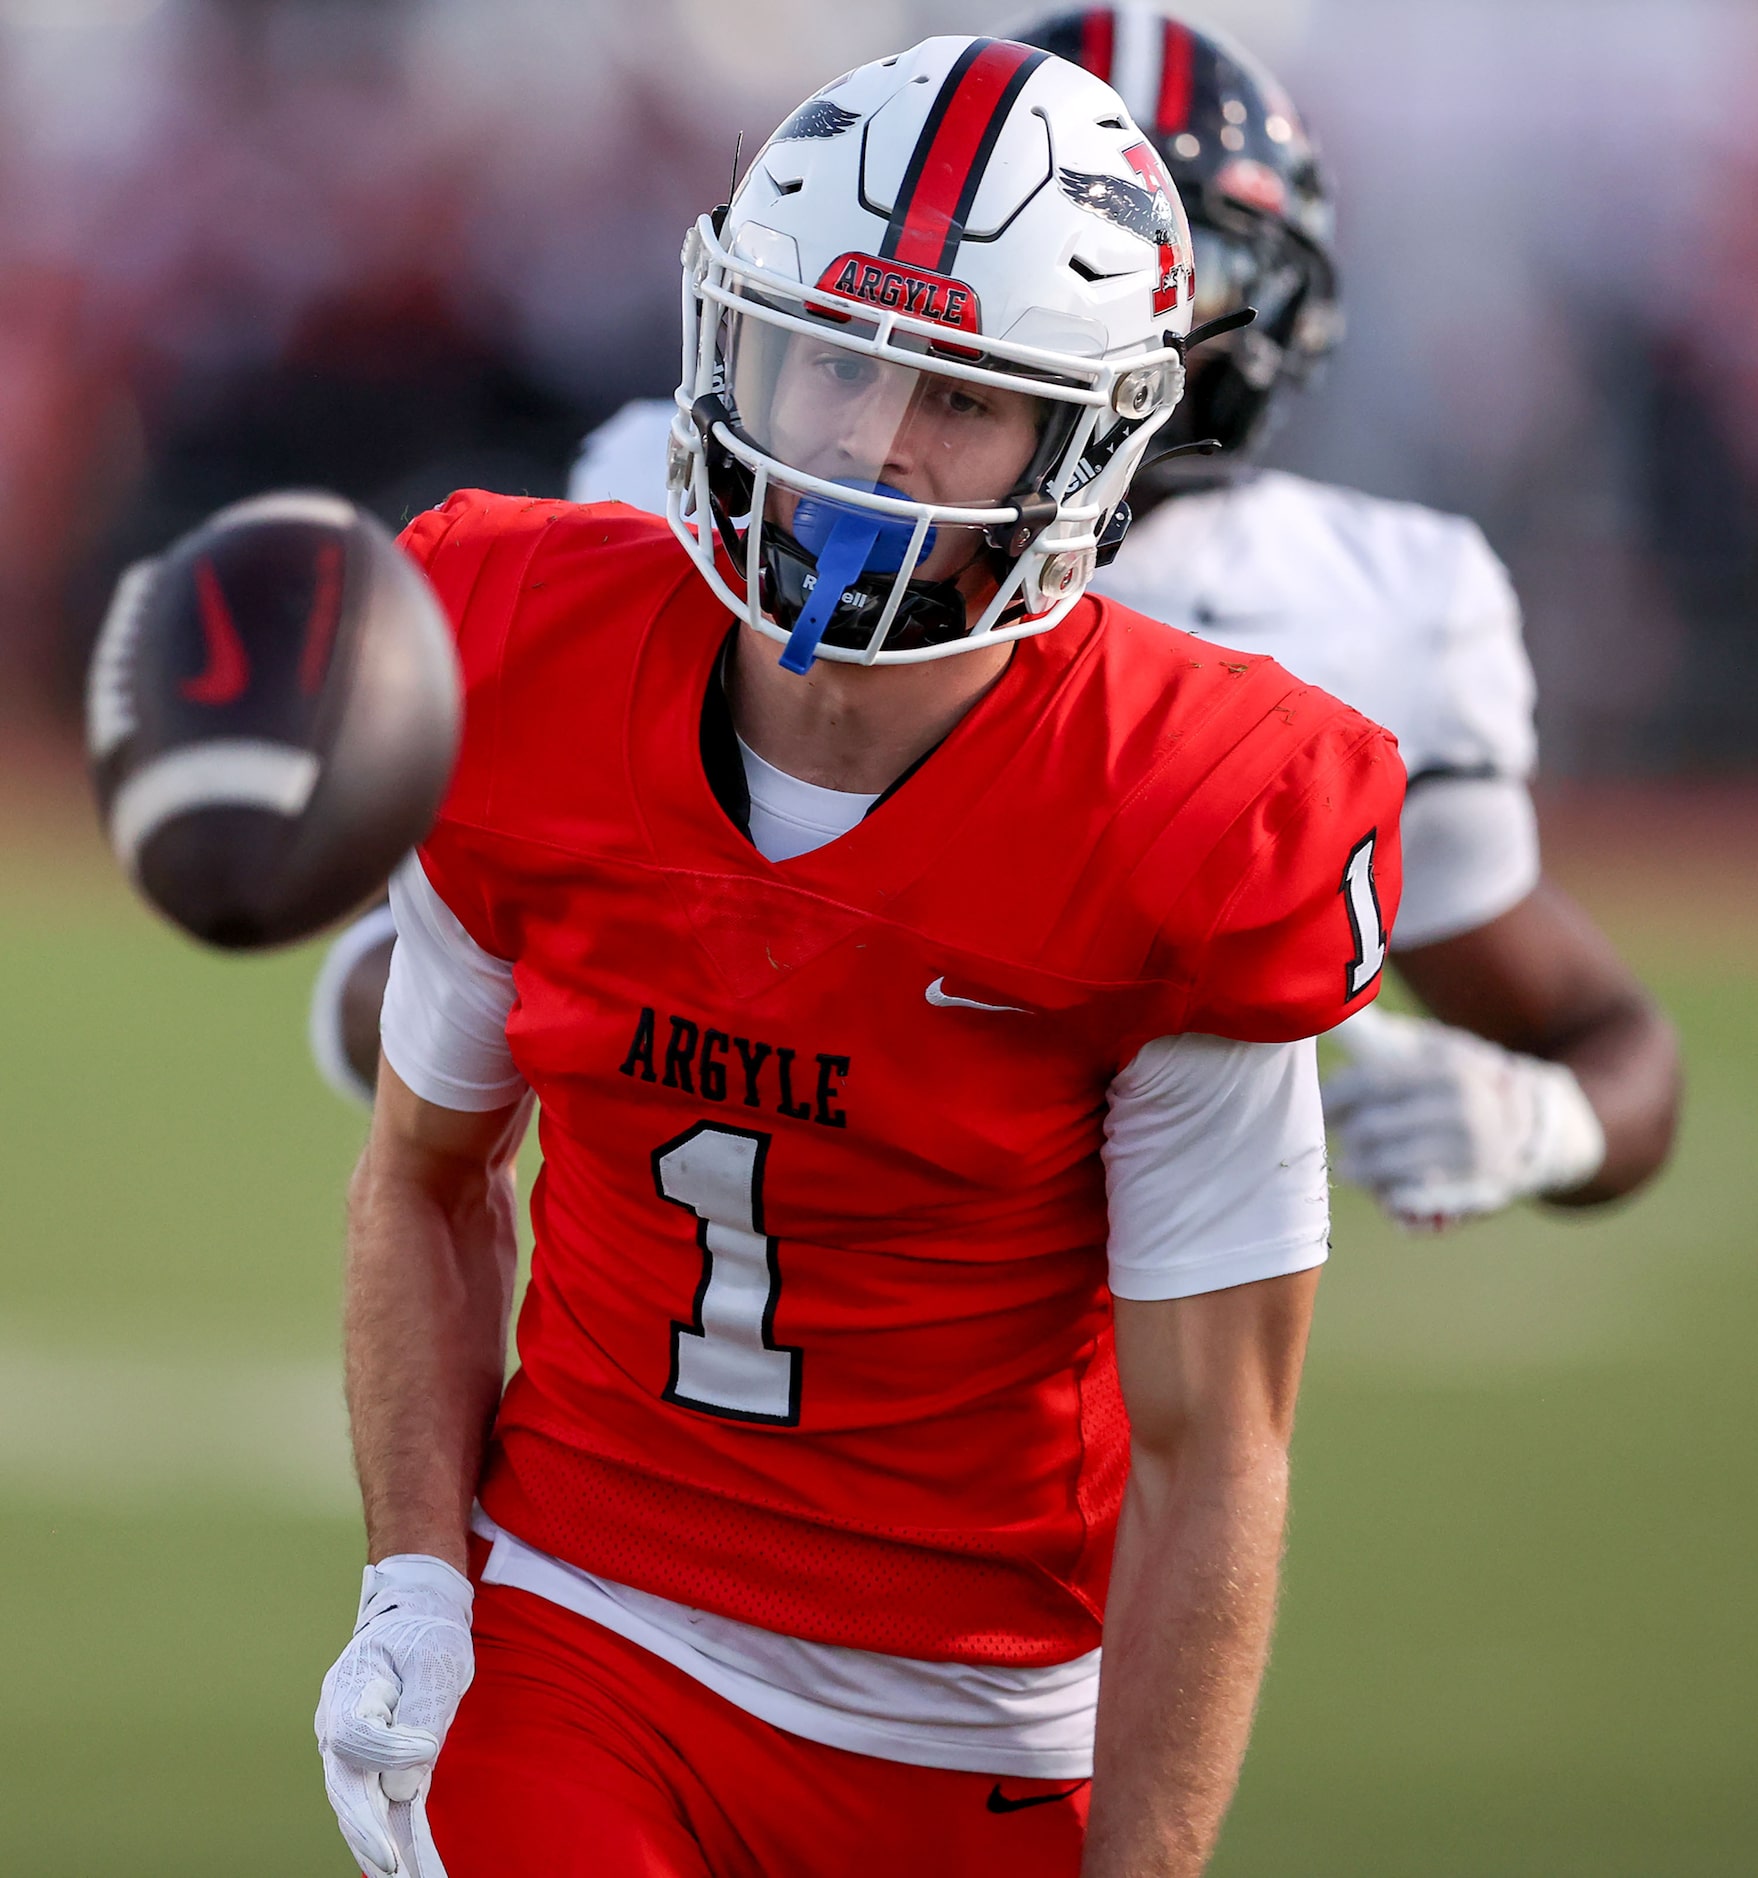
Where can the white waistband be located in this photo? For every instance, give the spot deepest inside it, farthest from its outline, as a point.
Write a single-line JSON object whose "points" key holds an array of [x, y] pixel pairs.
{"points": [[1033, 1723]]}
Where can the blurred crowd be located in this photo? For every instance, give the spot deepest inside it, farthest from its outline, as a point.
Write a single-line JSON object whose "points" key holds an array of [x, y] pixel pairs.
{"points": [[395, 246]]}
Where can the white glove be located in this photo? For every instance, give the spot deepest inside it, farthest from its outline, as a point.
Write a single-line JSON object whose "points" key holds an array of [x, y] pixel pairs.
{"points": [[1442, 1126], [386, 1706]]}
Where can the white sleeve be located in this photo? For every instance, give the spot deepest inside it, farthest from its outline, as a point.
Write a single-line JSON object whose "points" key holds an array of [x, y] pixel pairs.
{"points": [[1215, 1166], [1470, 853], [624, 458], [1480, 691], [444, 1028], [1469, 831]]}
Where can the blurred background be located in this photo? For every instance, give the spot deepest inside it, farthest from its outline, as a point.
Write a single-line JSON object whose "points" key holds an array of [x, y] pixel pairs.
{"points": [[395, 246]]}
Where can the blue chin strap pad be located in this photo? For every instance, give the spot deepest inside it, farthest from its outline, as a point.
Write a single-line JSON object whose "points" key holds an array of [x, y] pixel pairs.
{"points": [[846, 542]]}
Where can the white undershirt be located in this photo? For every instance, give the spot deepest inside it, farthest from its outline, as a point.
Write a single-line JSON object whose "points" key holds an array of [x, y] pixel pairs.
{"points": [[981, 1718], [789, 817], [1215, 1176]]}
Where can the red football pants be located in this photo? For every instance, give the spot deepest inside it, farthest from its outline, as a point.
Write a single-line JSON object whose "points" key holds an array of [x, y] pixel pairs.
{"points": [[576, 1754]]}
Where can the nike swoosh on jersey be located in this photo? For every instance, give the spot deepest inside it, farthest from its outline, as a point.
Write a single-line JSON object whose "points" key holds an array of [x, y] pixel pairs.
{"points": [[942, 999], [998, 1802]]}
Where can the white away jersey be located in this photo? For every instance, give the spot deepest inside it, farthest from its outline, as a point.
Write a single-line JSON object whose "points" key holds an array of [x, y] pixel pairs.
{"points": [[1400, 611]]}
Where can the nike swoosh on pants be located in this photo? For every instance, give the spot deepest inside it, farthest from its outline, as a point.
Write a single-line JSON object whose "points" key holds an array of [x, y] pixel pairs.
{"points": [[998, 1802]]}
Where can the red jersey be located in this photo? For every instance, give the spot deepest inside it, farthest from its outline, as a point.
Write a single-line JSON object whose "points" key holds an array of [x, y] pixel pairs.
{"points": [[818, 1334]]}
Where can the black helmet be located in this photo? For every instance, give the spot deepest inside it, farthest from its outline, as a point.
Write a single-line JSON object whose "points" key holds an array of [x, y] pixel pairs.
{"points": [[1257, 199]]}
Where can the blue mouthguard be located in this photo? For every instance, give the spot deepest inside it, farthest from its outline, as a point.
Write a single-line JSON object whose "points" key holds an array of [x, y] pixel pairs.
{"points": [[846, 542]]}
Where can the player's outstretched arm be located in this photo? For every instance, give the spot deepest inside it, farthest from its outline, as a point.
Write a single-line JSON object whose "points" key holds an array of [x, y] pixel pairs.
{"points": [[1550, 1073], [431, 1256], [1210, 1383]]}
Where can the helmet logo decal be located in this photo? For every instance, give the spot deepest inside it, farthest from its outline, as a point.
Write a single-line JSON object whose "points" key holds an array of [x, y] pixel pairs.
{"points": [[907, 290], [1147, 212], [952, 151], [817, 117]]}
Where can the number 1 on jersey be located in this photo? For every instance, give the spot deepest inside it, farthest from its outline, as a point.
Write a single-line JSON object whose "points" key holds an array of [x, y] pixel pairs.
{"points": [[727, 1362], [1361, 897]]}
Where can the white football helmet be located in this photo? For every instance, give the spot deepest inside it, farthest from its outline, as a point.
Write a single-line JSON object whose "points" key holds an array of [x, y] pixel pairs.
{"points": [[925, 349]]}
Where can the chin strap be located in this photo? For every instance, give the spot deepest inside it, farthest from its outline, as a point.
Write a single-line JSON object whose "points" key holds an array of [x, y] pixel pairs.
{"points": [[1212, 329], [1203, 446], [1197, 336]]}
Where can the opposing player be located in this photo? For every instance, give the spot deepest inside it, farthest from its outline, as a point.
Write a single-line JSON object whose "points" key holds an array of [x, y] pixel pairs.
{"points": [[1546, 1069], [915, 962]]}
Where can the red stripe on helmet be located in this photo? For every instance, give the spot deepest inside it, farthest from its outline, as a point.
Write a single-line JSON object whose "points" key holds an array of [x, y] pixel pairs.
{"points": [[1177, 77], [947, 164], [1098, 41]]}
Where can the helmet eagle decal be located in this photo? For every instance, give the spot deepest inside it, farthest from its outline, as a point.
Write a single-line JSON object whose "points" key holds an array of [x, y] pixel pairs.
{"points": [[1143, 212], [817, 117], [1146, 209]]}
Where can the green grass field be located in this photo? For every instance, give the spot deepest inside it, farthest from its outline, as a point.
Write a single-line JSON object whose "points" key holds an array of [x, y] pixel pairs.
{"points": [[1522, 1613]]}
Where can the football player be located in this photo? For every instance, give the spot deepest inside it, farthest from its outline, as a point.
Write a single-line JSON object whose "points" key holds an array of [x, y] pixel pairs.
{"points": [[915, 963], [1544, 1068]]}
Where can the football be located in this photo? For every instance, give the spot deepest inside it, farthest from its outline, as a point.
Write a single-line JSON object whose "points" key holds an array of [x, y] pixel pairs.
{"points": [[272, 717]]}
